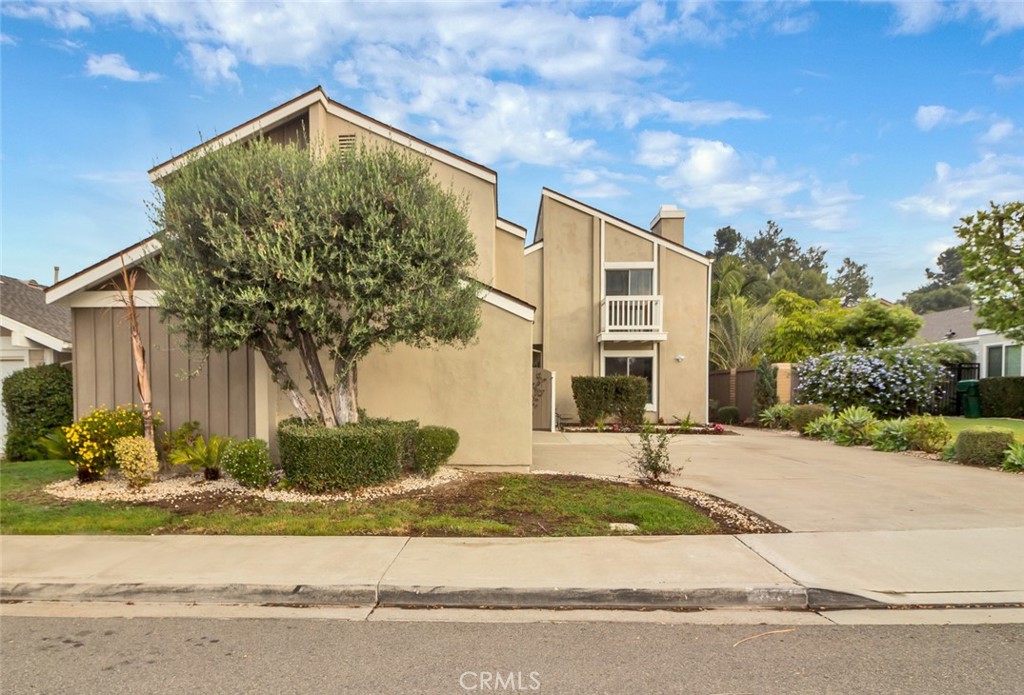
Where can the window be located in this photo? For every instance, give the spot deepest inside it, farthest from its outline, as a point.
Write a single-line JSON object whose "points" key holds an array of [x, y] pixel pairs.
{"points": [[1004, 360], [632, 366], [638, 282]]}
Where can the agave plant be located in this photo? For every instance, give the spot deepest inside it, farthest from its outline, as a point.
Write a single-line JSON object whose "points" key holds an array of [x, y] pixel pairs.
{"points": [[202, 453], [823, 427], [855, 426], [891, 435]]}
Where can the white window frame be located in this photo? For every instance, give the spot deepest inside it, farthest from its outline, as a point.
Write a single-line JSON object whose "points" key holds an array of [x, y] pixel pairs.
{"points": [[1002, 357], [653, 354]]}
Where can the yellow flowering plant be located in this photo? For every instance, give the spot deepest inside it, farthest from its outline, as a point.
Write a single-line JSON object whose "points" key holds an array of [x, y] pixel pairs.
{"points": [[90, 441]]}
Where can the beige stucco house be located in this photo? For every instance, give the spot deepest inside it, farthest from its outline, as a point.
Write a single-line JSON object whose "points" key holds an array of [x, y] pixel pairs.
{"points": [[592, 295], [615, 298], [483, 391]]}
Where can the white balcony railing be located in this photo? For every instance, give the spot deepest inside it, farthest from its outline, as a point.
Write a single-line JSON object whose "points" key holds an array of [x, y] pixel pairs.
{"points": [[631, 314]]}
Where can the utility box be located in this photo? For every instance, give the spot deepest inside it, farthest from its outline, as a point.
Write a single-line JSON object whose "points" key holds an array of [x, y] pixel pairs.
{"points": [[968, 390]]}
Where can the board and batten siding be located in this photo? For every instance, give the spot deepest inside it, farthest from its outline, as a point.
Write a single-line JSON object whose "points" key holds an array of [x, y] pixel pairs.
{"points": [[216, 391]]}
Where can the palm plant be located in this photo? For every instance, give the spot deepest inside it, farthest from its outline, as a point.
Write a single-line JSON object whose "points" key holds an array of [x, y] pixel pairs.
{"points": [[202, 454], [738, 332]]}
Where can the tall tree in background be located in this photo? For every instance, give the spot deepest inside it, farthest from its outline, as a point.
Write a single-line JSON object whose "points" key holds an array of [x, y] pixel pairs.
{"points": [[852, 282], [946, 287], [993, 258], [330, 256], [727, 240], [872, 324], [804, 327]]}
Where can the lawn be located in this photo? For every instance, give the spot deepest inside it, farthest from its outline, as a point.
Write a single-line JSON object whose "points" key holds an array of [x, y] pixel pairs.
{"points": [[483, 505], [959, 424]]}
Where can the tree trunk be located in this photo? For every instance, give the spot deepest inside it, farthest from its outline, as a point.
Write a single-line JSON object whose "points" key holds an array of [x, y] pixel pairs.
{"points": [[346, 391], [279, 373], [315, 371], [127, 297]]}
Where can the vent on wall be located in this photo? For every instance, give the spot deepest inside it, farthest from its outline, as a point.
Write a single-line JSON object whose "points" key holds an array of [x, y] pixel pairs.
{"points": [[347, 143]]}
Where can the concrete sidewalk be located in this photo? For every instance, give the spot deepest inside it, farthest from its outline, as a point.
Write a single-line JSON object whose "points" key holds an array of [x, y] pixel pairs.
{"points": [[788, 571]]}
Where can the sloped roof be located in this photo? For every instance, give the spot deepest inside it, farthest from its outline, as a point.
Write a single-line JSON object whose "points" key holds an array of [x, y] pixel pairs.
{"points": [[951, 324], [24, 302]]}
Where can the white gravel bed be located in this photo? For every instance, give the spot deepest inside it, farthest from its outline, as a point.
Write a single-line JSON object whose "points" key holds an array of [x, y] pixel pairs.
{"points": [[115, 488]]}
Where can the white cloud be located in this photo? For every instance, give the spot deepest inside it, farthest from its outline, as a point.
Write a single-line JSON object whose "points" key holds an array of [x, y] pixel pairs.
{"points": [[115, 66], [928, 117], [999, 131], [920, 16], [954, 192], [213, 64], [712, 173], [1014, 78], [61, 17], [593, 183]]}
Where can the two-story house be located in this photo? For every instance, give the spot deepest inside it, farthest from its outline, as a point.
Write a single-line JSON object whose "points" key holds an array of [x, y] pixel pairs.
{"points": [[614, 298]]}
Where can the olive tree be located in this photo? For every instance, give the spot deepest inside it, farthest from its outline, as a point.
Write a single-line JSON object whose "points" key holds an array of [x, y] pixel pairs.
{"points": [[993, 258], [324, 254]]}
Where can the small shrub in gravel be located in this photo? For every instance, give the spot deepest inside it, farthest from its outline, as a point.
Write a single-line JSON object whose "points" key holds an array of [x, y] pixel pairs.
{"points": [[136, 457], [90, 441], [983, 447], [928, 433], [202, 454], [650, 457], [777, 417], [249, 463], [434, 446]]}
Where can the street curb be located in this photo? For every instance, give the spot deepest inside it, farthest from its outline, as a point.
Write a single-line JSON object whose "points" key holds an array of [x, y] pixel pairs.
{"points": [[281, 594], [786, 597]]}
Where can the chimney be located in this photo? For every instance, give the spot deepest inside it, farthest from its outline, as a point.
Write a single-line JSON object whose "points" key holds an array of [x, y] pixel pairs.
{"points": [[668, 223], [56, 274]]}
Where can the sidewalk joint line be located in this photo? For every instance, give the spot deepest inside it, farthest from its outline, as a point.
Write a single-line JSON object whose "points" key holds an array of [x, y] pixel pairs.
{"points": [[376, 589]]}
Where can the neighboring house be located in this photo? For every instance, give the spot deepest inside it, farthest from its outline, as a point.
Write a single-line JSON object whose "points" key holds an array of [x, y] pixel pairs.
{"points": [[613, 298], [31, 332], [483, 391], [997, 354]]}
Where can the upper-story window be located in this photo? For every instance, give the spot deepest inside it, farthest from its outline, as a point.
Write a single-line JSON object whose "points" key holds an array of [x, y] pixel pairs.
{"points": [[632, 282]]}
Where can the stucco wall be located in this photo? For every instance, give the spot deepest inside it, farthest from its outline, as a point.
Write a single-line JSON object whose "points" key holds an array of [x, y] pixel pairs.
{"points": [[218, 393], [621, 246], [509, 264], [533, 292], [483, 391], [683, 385]]}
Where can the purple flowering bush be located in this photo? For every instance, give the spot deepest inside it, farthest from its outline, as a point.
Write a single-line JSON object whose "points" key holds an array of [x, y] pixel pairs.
{"points": [[890, 381]]}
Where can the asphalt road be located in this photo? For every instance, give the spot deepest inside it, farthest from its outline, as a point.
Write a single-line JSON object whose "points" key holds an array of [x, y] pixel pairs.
{"points": [[147, 655]]}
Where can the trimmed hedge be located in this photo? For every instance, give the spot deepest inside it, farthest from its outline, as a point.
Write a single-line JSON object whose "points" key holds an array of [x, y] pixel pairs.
{"points": [[983, 447], [37, 401], [434, 446], [1002, 396], [322, 459], [804, 415], [728, 414], [599, 396]]}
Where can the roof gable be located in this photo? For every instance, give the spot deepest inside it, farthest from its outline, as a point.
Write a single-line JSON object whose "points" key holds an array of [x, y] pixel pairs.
{"points": [[25, 303]]}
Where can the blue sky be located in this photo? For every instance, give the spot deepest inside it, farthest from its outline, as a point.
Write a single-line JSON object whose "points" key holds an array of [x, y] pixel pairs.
{"points": [[867, 128]]}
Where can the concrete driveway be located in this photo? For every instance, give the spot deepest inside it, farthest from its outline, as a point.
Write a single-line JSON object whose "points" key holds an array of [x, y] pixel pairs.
{"points": [[807, 485]]}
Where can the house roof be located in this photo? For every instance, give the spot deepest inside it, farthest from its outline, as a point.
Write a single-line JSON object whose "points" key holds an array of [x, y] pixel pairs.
{"points": [[628, 226], [290, 109], [23, 302], [951, 324], [103, 270]]}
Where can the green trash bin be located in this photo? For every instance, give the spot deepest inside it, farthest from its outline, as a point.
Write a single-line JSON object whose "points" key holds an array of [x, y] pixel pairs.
{"points": [[968, 391]]}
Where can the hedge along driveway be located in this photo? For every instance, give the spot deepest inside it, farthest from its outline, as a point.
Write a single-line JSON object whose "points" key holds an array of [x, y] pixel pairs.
{"points": [[807, 485], [959, 424]]}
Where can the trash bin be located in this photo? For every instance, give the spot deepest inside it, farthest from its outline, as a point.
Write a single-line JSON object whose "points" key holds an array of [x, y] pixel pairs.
{"points": [[968, 392]]}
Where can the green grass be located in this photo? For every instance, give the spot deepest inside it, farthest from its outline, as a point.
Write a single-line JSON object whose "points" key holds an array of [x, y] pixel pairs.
{"points": [[492, 505], [959, 424]]}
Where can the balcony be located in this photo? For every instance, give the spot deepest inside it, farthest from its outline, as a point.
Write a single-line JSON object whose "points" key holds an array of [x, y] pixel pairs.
{"points": [[631, 318]]}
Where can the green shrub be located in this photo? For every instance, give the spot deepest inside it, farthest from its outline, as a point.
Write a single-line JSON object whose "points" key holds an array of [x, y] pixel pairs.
{"points": [[248, 462], [650, 459], [1002, 396], [927, 433], [37, 400], [948, 452], [180, 437], [1014, 458], [90, 441], [803, 415], [599, 396], [766, 393], [136, 457], [729, 414], [321, 459], [978, 447], [777, 417], [824, 427], [434, 446], [890, 435], [854, 426], [203, 454]]}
